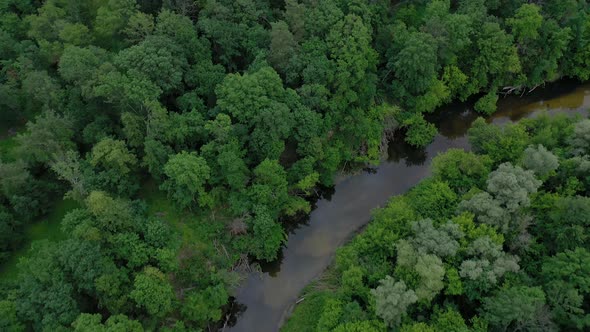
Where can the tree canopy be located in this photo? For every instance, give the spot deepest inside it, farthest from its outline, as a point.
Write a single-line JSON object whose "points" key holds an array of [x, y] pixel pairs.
{"points": [[504, 245], [187, 135]]}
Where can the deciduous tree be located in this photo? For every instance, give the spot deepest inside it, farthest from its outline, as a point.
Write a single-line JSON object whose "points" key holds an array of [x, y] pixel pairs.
{"points": [[153, 293], [392, 300], [187, 175]]}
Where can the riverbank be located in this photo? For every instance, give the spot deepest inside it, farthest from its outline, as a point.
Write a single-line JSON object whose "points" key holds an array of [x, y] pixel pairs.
{"points": [[318, 296], [310, 249]]}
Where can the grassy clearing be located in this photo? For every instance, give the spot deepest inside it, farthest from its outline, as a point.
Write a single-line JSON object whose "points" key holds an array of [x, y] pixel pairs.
{"points": [[201, 234], [195, 227], [159, 205], [47, 227]]}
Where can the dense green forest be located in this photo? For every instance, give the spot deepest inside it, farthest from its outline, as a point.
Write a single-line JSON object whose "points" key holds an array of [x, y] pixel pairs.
{"points": [[189, 131], [496, 240]]}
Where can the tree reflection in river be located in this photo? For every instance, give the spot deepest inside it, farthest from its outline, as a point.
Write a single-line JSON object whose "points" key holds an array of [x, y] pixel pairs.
{"points": [[398, 150]]}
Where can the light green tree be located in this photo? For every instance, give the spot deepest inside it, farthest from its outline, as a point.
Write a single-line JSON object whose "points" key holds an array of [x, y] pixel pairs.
{"points": [[187, 175], [392, 300], [580, 139], [461, 170], [93, 323], [113, 154], [526, 22], [540, 160], [512, 185], [152, 292]]}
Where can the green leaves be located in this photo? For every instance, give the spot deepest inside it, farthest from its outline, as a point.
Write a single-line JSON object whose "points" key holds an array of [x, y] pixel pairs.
{"points": [[567, 284], [112, 214], [349, 46], [419, 132], [501, 144], [392, 300], [521, 307], [8, 319], [540, 160], [267, 235], [157, 58], [526, 22], [497, 59], [51, 133], [241, 96], [152, 292], [45, 298], [269, 188], [113, 154], [205, 305], [75, 34], [140, 26], [416, 64], [256, 100], [93, 323], [234, 30], [79, 65], [487, 104], [111, 19], [433, 199], [563, 226], [187, 174], [283, 47], [461, 170]]}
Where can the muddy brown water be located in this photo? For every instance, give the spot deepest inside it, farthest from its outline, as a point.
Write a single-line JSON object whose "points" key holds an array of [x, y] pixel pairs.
{"points": [[264, 299]]}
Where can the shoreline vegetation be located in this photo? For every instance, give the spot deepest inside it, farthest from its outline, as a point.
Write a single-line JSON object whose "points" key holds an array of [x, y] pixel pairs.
{"points": [[469, 293], [189, 132]]}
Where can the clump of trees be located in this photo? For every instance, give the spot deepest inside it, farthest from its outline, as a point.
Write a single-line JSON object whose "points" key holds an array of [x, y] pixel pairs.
{"points": [[505, 249]]}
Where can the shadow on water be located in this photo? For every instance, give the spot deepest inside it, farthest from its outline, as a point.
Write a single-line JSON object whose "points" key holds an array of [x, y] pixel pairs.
{"points": [[399, 151], [263, 300], [453, 120]]}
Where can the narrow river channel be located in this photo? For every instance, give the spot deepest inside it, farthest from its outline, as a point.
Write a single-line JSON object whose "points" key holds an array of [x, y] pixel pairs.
{"points": [[265, 298]]}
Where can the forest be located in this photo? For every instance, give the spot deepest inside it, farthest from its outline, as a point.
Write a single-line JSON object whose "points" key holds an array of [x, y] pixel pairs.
{"points": [[496, 240], [180, 137]]}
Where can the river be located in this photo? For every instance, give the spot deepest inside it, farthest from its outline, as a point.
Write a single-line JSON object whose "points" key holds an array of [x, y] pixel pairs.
{"points": [[264, 299]]}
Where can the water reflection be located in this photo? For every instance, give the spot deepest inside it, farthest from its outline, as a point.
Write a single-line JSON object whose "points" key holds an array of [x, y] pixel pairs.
{"points": [[400, 151], [453, 120], [563, 96], [265, 298]]}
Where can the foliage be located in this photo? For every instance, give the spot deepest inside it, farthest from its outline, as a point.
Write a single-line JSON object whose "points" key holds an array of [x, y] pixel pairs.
{"points": [[419, 133], [487, 104], [502, 144], [48, 135], [460, 169], [503, 247], [187, 176], [152, 292], [581, 138], [521, 307], [238, 110], [392, 300], [540, 160], [433, 199], [89, 322]]}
